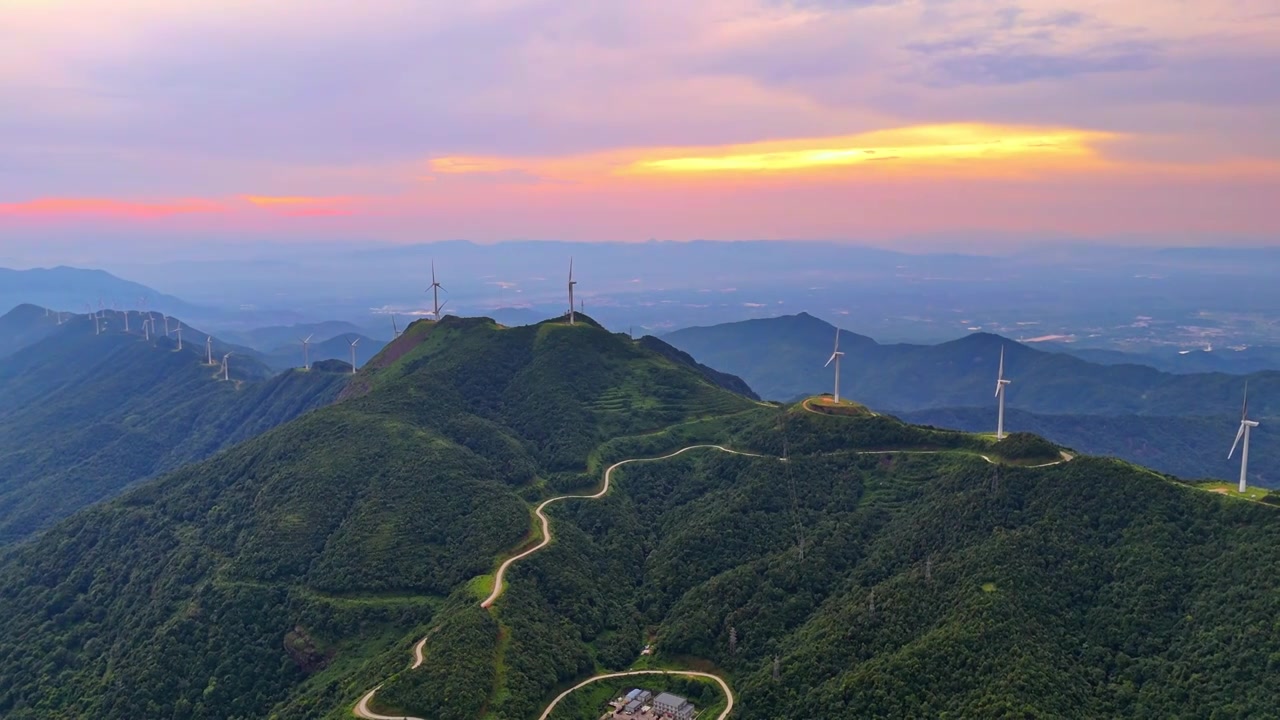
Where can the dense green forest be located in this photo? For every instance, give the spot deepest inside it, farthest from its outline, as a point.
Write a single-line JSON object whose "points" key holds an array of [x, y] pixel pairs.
{"points": [[883, 569], [83, 415]]}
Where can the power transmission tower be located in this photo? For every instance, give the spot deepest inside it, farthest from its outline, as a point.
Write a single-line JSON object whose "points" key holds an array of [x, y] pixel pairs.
{"points": [[791, 485]]}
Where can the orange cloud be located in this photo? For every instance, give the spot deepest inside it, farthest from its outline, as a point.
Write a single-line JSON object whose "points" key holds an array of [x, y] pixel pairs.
{"points": [[58, 207], [970, 148], [301, 205]]}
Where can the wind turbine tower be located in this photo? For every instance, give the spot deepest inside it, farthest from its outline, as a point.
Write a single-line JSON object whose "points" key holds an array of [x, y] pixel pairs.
{"points": [[208, 350], [306, 357], [166, 326], [1000, 386], [1245, 426], [179, 336], [835, 357], [435, 293], [571, 284], [353, 355], [395, 329], [126, 320], [226, 373], [146, 330]]}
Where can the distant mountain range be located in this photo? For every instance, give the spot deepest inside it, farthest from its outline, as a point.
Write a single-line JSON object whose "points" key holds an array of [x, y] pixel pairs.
{"points": [[1179, 423], [1199, 360], [782, 358], [72, 289], [84, 415]]}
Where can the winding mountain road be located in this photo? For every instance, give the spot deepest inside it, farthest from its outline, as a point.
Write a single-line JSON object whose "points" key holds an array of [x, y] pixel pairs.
{"points": [[500, 577], [687, 673], [362, 709]]}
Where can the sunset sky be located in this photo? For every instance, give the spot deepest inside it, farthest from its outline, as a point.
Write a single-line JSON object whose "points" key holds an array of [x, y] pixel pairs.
{"points": [[415, 120]]}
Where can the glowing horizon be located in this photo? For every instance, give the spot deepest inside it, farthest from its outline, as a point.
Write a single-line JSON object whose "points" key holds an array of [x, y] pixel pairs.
{"points": [[673, 119]]}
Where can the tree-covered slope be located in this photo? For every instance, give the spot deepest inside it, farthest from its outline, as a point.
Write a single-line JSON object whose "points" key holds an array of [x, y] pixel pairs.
{"points": [[84, 415], [273, 574], [884, 569], [782, 358]]}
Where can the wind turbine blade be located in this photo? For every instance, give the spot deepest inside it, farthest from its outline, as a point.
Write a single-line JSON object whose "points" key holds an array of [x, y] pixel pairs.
{"points": [[837, 338], [1000, 372], [1244, 409], [833, 357], [1239, 434]]}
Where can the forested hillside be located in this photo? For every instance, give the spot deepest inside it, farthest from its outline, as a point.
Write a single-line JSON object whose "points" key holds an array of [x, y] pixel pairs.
{"points": [[883, 569], [84, 415]]}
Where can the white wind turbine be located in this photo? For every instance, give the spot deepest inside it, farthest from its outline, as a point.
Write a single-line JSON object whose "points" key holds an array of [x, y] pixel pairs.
{"points": [[571, 284], [435, 293], [306, 356], [395, 329], [835, 357], [146, 330], [226, 373], [166, 326], [353, 344], [1245, 426], [208, 350], [126, 320], [179, 336], [1000, 385]]}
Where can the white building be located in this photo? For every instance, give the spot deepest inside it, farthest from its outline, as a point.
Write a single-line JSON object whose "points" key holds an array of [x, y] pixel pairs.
{"points": [[673, 706]]}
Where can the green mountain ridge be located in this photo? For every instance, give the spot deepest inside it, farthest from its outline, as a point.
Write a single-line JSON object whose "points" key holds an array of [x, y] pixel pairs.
{"points": [[84, 415], [892, 570]]}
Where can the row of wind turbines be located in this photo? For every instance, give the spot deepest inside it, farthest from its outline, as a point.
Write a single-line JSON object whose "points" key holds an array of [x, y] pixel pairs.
{"points": [[149, 329], [1002, 382]]}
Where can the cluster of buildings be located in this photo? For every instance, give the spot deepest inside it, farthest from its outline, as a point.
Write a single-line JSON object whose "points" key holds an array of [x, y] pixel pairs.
{"points": [[640, 704]]}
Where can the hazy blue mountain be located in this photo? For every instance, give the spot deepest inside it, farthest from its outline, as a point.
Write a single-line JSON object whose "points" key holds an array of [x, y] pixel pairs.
{"points": [[272, 338], [1191, 447], [71, 289], [1190, 360], [85, 415], [24, 325], [336, 348], [783, 357]]}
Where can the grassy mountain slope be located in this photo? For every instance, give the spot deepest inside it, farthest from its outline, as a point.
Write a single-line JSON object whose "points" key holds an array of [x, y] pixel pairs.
{"points": [[85, 415], [286, 571], [782, 358]]}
